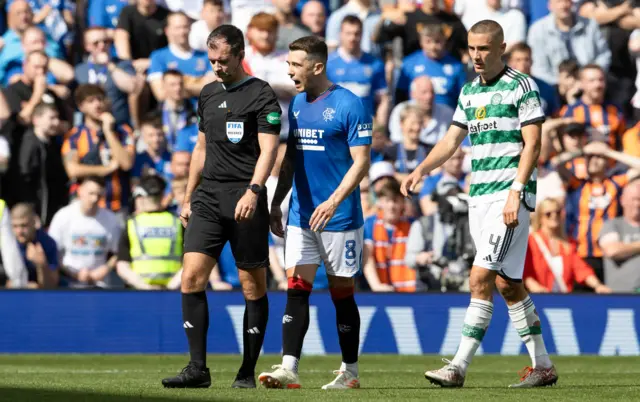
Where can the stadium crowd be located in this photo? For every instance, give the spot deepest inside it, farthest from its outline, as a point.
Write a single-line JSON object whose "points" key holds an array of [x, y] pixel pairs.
{"points": [[99, 100]]}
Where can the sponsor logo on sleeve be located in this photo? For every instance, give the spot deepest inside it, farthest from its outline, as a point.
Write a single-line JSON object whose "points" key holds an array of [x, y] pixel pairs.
{"points": [[273, 118]]}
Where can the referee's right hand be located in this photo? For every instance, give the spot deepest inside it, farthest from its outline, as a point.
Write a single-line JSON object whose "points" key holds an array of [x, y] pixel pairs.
{"points": [[185, 213], [275, 221]]}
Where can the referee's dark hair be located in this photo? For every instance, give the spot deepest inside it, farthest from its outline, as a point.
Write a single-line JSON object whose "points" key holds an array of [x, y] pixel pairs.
{"points": [[229, 34], [313, 46]]}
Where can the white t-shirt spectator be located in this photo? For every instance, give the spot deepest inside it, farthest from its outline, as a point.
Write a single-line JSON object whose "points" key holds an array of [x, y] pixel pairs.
{"points": [[85, 241], [243, 10], [434, 131], [198, 35], [512, 21]]}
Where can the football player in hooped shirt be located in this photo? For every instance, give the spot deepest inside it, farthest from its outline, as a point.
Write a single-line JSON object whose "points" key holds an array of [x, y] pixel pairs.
{"points": [[328, 154]]}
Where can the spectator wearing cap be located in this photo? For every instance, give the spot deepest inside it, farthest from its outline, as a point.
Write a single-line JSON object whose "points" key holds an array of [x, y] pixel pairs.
{"points": [[268, 63], [551, 263], [42, 175], [519, 58], [379, 174], [620, 242], [150, 249], [87, 237], [178, 55], [565, 35], [593, 201], [604, 118], [447, 74], [451, 172], [39, 251], [314, 16], [358, 71]]}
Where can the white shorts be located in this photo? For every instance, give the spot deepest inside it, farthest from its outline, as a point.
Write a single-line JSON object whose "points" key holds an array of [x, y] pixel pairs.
{"points": [[497, 247], [340, 251]]}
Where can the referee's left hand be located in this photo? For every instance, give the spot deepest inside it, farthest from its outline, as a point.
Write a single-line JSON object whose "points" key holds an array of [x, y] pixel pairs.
{"points": [[246, 206], [322, 215]]}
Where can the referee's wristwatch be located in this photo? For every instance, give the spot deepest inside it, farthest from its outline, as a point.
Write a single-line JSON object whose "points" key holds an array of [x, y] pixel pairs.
{"points": [[255, 188]]}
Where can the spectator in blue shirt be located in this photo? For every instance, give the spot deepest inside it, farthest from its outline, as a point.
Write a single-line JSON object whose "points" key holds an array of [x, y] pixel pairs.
{"points": [[177, 111], [118, 79], [155, 159], [39, 251], [105, 13], [178, 55], [186, 138], [519, 58], [446, 72], [358, 71]]}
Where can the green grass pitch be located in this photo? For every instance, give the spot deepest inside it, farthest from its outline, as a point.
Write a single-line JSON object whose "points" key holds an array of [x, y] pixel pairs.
{"points": [[120, 378]]}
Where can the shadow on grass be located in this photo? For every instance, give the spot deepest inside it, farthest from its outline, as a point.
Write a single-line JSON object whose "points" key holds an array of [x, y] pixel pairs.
{"points": [[33, 395]]}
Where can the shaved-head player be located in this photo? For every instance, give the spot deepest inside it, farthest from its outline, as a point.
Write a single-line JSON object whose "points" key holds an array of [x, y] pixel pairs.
{"points": [[502, 113]]}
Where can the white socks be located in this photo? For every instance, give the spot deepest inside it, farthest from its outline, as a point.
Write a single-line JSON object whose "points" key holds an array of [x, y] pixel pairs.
{"points": [[526, 321], [290, 362], [351, 368], [476, 322]]}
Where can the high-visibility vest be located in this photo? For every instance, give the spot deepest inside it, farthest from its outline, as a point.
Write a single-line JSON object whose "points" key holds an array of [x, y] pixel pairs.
{"points": [[156, 246]]}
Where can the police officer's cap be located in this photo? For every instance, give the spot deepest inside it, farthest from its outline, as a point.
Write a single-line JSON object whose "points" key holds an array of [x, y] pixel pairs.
{"points": [[150, 186]]}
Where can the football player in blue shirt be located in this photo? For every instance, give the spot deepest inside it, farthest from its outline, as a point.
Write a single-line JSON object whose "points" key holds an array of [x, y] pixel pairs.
{"points": [[178, 55], [328, 155], [359, 72], [446, 72]]}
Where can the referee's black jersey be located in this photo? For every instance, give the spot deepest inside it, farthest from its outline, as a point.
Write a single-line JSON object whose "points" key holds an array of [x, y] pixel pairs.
{"points": [[231, 118]]}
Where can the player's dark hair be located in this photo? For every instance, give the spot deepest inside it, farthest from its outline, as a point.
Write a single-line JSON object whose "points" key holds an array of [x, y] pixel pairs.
{"points": [[432, 29], [313, 46], [216, 3], [569, 66], [42, 107], [351, 20], [489, 27], [229, 34], [86, 91], [93, 179], [390, 189], [172, 73], [519, 47], [592, 66]]}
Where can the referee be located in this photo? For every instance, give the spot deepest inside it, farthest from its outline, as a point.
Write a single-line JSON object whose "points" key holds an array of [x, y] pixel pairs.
{"points": [[226, 200]]}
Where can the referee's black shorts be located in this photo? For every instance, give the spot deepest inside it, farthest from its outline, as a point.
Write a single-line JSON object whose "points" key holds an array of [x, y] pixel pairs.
{"points": [[212, 224]]}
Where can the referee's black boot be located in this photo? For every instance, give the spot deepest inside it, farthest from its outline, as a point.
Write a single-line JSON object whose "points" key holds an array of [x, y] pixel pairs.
{"points": [[190, 377], [244, 382]]}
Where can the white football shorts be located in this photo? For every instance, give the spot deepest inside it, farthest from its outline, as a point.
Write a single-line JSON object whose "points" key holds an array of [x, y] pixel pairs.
{"points": [[340, 251], [499, 248]]}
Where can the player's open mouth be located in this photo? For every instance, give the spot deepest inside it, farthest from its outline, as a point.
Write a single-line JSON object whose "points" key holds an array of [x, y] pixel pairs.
{"points": [[296, 82]]}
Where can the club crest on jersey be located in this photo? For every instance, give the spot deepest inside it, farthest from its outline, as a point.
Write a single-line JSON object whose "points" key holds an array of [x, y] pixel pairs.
{"points": [[481, 113], [200, 65], [496, 99], [172, 65], [328, 114], [447, 69], [235, 131], [368, 71]]}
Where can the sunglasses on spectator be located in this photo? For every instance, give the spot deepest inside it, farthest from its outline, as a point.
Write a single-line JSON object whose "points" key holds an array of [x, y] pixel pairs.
{"points": [[549, 214]]}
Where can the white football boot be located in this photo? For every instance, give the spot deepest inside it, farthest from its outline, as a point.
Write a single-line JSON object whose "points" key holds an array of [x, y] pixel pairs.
{"points": [[344, 380], [280, 377]]}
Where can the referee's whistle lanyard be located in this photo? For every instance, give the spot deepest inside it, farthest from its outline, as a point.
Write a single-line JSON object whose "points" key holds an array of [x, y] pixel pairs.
{"points": [[401, 158], [97, 74], [171, 129]]}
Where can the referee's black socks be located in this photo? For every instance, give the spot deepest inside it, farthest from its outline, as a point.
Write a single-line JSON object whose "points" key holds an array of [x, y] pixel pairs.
{"points": [[348, 323], [254, 326], [295, 322], [195, 317]]}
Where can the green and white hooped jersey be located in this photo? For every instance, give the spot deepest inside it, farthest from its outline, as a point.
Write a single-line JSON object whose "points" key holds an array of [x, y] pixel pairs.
{"points": [[494, 113]]}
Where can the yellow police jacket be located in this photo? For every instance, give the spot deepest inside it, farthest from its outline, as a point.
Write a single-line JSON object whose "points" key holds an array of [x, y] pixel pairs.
{"points": [[156, 246]]}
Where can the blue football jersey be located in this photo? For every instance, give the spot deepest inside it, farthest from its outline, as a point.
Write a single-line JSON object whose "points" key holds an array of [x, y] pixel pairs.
{"points": [[364, 77], [447, 76], [195, 65], [322, 133]]}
